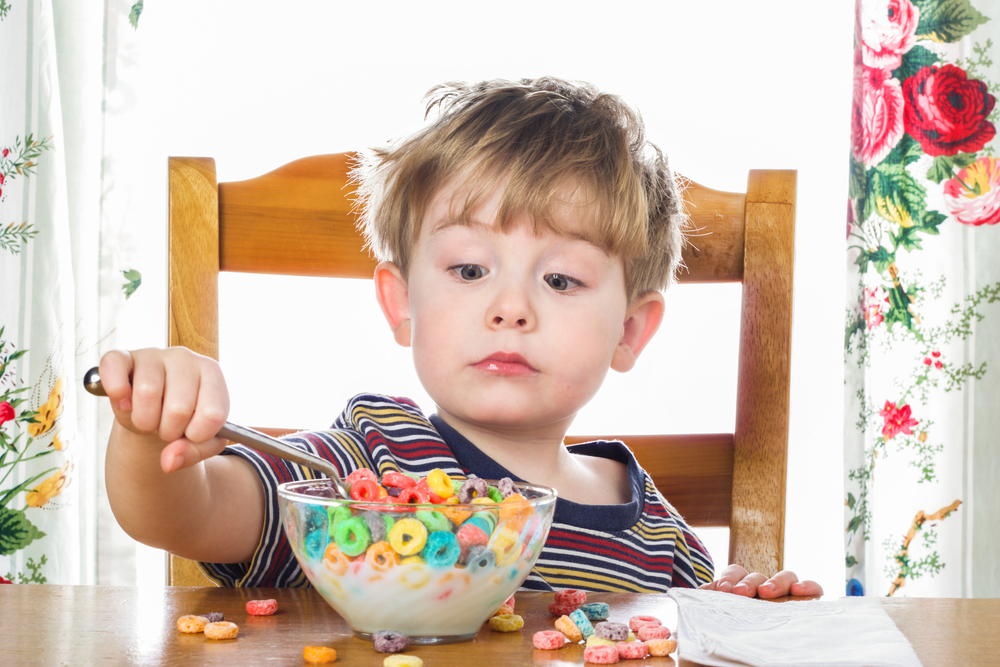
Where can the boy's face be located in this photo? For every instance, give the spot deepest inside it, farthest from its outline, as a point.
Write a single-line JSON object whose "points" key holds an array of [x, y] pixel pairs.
{"points": [[510, 331]]}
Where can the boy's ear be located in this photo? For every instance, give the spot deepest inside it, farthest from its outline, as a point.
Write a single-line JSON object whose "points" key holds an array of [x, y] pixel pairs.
{"points": [[394, 300], [641, 322]]}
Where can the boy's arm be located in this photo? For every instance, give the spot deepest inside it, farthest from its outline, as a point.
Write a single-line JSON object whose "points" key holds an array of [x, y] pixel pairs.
{"points": [[166, 486]]}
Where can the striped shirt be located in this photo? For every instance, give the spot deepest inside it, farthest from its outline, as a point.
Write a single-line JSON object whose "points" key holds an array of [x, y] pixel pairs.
{"points": [[640, 546]]}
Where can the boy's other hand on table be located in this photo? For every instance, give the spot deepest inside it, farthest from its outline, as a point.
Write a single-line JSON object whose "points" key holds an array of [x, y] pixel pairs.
{"points": [[734, 579]]}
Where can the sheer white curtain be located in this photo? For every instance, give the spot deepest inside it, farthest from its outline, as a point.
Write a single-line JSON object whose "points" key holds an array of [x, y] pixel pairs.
{"points": [[922, 382]]}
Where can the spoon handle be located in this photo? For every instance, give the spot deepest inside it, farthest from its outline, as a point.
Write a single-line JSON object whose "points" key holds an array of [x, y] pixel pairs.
{"points": [[251, 438]]}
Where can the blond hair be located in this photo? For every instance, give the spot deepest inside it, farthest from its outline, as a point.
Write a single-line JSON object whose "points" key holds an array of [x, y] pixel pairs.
{"points": [[535, 139]]}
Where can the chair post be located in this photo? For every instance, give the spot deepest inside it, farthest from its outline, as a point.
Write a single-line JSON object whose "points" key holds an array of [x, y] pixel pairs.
{"points": [[757, 522], [193, 284]]}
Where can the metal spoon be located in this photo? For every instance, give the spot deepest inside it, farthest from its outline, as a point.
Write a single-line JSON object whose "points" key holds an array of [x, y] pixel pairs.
{"points": [[251, 438]]}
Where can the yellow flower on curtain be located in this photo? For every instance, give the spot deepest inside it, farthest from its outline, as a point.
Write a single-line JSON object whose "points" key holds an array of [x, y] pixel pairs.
{"points": [[50, 411], [58, 443], [50, 488]]}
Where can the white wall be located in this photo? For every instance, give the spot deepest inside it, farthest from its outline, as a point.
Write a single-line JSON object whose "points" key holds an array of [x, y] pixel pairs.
{"points": [[724, 87]]}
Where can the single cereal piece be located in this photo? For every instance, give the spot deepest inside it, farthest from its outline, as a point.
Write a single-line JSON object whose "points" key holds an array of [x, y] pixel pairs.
{"points": [[262, 607], [548, 640], [402, 660], [571, 596], [191, 624], [506, 623], [214, 616], [565, 625], [614, 631], [596, 611], [510, 602], [594, 640], [582, 622], [221, 630], [601, 655], [389, 641], [647, 632], [319, 655], [557, 609], [632, 650], [636, 622], [661, 647], [503, 610]]}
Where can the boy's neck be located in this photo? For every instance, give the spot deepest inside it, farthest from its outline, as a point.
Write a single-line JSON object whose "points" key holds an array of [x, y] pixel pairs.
{"points": [[536, 454]]}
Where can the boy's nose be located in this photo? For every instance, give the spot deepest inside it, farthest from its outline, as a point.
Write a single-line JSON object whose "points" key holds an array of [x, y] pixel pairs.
{"points": [[511, 309]]}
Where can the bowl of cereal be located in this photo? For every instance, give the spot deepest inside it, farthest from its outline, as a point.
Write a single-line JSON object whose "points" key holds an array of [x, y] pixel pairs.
{"points": [[430, 557]]}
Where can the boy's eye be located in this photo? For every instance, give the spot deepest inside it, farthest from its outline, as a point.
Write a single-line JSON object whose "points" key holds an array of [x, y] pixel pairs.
{"points": [[469, 272], [560, 283]]}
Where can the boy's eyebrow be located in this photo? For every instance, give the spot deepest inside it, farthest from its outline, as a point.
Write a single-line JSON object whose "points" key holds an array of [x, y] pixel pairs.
{"points": [[443, 225]]}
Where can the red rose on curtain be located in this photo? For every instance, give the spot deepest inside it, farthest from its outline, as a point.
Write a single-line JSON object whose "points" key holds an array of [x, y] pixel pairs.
{"points": [[897, 420], [946, 112], [888, 29], [6, 412], [973, 196], [877, 114]]}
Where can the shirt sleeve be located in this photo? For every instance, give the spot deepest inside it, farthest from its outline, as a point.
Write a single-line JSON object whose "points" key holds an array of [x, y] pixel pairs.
{"points": [[273, 564]]}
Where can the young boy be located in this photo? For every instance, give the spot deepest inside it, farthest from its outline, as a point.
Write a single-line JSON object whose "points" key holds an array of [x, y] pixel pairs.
{"points": [[524, 237]]}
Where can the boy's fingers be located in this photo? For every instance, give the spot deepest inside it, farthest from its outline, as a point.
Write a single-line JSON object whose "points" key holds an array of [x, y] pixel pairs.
{"points": [[212, 408], [116, 369], [778, 585], [729, 577], [180, 396], [749, 586], [183, 453], [148, 379], [807, 587]]}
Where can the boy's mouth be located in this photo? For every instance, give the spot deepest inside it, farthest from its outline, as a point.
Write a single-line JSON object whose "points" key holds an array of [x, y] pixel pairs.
{"points": [[505, 363]]}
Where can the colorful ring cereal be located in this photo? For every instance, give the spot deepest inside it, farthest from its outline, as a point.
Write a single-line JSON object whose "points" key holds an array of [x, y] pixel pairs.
{"points": [[632, 650], [440, 483], [601, 655], [596, 611], [615, 631], [481, 521], [221, 630], [506, 623], [434, 520], [359, 474], [582, 622], [214, 616], [515, 510], [398, 480], [415, 575], [389, 641], [472, 489], [548, 640], [570, 596], [594, 640], [408, 536], [381, 556], [647, 632], [192, 625], [661, 647], [442, 549], [352, 536], [637, 622], [334, 560], [483, 560], [565, 625], [319, 655], [335, 515], [378, 525], [506, 487], [402, 660], [365, 489], [262, 607]]}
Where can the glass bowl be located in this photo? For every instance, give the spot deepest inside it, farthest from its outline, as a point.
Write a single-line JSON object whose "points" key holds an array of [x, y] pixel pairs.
{"points": [[436, 572]]}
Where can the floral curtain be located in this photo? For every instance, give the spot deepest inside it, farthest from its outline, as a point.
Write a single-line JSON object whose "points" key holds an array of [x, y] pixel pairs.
{"points": [[61, 293], [922, 362]]}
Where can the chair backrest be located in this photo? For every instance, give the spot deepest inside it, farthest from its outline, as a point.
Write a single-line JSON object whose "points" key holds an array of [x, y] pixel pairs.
{"points": [[297, 220]]}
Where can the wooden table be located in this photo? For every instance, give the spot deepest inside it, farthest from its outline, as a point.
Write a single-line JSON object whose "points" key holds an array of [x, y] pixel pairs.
{"points": [[89, 625]]}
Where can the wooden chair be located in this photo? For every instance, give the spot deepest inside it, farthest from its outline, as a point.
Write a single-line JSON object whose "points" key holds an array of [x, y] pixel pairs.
{"points": [[297, 220]]}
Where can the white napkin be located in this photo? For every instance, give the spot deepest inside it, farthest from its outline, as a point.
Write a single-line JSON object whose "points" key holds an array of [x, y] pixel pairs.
{"points": [[725, 630]]}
